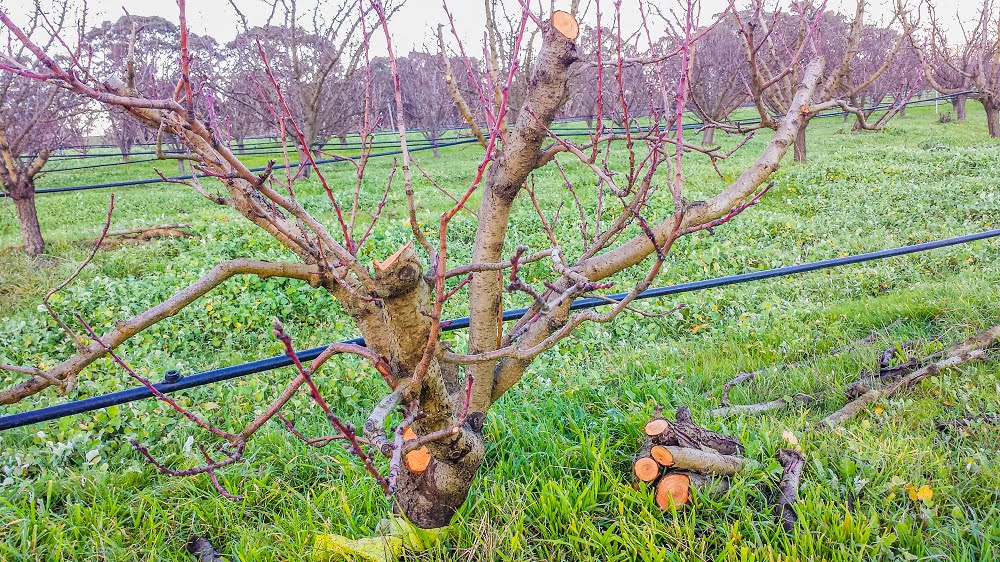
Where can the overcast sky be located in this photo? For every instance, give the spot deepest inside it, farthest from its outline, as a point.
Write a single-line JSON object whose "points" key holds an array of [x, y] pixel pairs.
{"points": [[414, 25]]}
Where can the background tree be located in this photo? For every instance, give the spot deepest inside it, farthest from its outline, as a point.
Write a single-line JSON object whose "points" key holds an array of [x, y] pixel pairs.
{"points": [[138, 51], [428, 104], [779, 46], [888, 93], [318, 61], [35, 119], [975, 65], [718, 85]]}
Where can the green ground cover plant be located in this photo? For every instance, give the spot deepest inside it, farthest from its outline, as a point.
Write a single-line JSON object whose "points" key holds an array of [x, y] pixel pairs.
{"points": [[556, 484]]}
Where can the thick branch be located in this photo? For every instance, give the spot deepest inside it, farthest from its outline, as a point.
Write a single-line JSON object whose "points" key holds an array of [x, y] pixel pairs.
{"points": [[127, 328]]}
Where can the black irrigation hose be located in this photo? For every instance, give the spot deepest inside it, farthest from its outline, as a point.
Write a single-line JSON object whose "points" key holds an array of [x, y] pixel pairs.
{"points": [[263, 152], [216, 375], [248, 150]]}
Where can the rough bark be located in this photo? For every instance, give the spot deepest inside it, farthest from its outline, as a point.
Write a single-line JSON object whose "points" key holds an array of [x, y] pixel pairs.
{"points": [[958, 105], [800, 144], [430, 498], [27, 218], [708, 137], [792, 462]]}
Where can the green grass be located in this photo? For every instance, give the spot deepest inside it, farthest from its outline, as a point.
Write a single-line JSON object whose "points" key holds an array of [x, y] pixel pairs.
{"points": [[556, 484]]}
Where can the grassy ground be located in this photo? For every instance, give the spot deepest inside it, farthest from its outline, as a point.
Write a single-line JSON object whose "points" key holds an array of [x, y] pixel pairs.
{"points": [[556, 483]]}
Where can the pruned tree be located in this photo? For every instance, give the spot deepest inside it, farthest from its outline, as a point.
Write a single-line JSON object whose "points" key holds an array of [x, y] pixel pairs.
{"points": [[429, 423], [886, 96], [975, 65], [428, 104], [317, 54], [614, 80], [35, 118], [718, 86], [781, 46]]}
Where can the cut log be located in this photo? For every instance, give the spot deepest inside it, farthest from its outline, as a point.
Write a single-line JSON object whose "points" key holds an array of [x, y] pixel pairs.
{"points": [[661, 455], [416, 460], [686, 433], [646, 469], [704, 462], [676, 486], [656, 427], [674, 489]]}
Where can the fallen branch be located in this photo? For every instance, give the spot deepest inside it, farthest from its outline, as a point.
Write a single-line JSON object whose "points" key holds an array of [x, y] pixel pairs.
{"points": [[147, 233], [762, 407], [792, 462], [743, 377], [985, 419], [972, 349], [684, 432]]}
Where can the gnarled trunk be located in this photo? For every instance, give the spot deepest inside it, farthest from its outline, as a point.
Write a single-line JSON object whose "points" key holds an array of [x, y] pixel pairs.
{"points": [[992, 117], [430, 498], [27, 217]]}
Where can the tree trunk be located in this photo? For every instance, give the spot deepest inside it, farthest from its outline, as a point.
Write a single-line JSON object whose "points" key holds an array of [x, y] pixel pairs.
{"points": [[958, 104], [992, 117], [800, 144], [708, 137], [27, 217], [304, 161], [430, 498], [902, 111]]}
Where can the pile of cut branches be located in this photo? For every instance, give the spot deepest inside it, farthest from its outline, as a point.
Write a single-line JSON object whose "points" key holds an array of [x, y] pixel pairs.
{"points": [[679, 456]]}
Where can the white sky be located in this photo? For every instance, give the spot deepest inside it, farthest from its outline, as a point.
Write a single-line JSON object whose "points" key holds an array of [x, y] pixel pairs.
{"points": [[414, 26]]}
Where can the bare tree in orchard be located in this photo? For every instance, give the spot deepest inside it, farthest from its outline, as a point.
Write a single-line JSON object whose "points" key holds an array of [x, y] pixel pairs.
{"points": [[781, 46], [973, 66], [429, 423], [718, 85], [35, 119], [887, 95], [428, 104], [318, 55], [144, 46]]}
